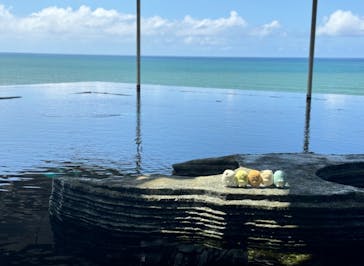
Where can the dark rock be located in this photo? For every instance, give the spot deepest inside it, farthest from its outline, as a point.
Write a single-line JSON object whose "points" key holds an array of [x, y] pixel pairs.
{"points": [[209, 166], [309, 215]]}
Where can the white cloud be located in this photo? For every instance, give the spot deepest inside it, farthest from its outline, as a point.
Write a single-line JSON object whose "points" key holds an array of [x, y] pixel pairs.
{"points": [[81, 22], [6, 19], [85, 21], [342, 23], [81, 25], [195, 27], [156, 26], [209, 31], [4, 13], [267, 29]]}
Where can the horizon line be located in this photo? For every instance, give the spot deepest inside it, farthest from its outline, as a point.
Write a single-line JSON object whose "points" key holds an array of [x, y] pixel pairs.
{"points": [[178, 56]]}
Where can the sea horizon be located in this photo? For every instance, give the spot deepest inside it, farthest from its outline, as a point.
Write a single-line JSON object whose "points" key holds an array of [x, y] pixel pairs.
{"points": [[182, 56], [331, 75]]}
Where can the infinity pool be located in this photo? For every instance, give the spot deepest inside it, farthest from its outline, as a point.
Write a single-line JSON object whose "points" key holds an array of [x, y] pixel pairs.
{"points": [[102, 129], [102, 124]]}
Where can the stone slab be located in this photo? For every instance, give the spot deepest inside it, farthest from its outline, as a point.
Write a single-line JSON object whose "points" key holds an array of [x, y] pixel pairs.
{"points": [[202, 210]]}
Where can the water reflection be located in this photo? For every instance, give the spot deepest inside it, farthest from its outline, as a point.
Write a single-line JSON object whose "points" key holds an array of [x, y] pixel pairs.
{"points": [[306, 135], [65, 124], [138, 135]]}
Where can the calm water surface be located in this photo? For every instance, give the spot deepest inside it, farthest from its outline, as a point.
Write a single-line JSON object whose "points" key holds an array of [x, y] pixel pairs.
{"points": [[97, 129], [99, 123]]}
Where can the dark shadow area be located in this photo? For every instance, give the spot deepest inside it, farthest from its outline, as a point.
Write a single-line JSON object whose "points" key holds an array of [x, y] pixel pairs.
{"points": [[41, 255], [25, 232], [208, 166], [328, 236], [105, 247], [347, 174]]}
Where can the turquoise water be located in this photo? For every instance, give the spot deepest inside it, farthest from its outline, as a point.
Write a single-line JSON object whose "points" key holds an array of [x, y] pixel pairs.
{"points": [[338, 76]]}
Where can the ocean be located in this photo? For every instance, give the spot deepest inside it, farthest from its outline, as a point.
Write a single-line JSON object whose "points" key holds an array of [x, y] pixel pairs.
{"points": [[80, 116], [334, 76]]}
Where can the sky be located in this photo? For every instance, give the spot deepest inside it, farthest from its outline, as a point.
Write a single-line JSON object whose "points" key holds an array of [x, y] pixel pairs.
{"points": [[233, 28]]}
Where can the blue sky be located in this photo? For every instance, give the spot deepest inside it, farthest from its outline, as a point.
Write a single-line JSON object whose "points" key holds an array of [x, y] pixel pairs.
{"points": [[278, 28]]}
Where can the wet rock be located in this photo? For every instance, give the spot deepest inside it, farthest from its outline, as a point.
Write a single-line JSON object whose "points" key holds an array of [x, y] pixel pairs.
{"points": [[202, 211], [209, 166]]}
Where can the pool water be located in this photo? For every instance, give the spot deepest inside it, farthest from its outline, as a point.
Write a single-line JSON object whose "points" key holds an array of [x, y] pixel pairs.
{"points": [[101, 124], [102, 129]]}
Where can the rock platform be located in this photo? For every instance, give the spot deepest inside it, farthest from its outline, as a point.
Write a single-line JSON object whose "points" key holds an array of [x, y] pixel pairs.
{"points": [[309, 214]]}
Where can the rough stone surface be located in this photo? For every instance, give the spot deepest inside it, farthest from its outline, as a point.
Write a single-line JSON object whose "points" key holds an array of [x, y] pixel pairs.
{"points": [[209, 166], [201, 210]]}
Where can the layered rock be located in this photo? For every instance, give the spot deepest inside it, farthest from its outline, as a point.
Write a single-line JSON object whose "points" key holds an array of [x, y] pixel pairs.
{"points": [[309, 214]]}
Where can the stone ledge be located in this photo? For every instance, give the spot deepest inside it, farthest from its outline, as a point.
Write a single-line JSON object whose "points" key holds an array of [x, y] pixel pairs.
{"points": [[201, 210]]}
